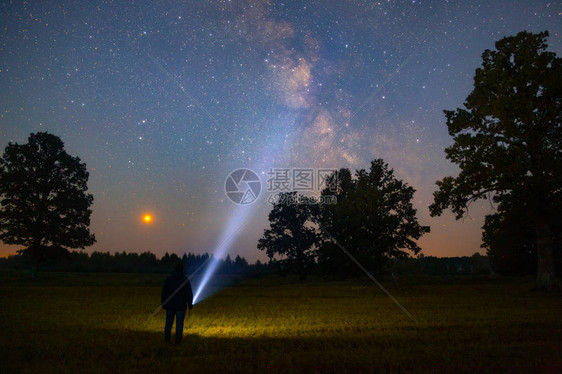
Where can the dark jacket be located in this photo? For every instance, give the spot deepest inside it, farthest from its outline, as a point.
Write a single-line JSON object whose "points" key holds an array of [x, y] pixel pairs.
{"points": [[181, 299]]}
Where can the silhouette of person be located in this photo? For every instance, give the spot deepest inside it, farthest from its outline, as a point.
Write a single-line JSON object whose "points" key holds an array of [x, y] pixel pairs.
{"points": [[177, 296]]}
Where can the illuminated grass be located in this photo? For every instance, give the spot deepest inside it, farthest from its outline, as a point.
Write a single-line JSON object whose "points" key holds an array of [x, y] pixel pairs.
{"points": [[103, 323]]}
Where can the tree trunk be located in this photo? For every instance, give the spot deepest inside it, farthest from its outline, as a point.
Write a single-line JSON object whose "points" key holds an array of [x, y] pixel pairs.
{"points": [[545, 264]]}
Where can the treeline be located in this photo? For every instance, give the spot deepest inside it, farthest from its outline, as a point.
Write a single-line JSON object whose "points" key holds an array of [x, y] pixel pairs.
{"points": [[124, 262], [148, 262], [420, 265], [476, 264]]}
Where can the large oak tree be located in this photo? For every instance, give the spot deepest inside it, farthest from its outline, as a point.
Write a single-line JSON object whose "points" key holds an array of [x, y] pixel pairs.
{"points": [[508, 139], [374, 219], [43, 201]]}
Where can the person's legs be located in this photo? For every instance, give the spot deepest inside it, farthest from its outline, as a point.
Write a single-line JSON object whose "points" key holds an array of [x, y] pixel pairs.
{"points": [[180, 316], [169, 322]]}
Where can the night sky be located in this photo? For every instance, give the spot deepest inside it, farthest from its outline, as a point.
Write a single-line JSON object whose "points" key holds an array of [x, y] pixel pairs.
{"points": [[163, 99]]}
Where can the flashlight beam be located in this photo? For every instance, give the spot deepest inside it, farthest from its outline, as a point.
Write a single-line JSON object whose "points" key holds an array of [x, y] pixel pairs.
{"points": [[367, 273], [221, 248]]}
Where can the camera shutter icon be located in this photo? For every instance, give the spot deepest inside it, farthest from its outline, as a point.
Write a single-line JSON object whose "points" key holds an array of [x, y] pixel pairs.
{"points": [[242, 186]]}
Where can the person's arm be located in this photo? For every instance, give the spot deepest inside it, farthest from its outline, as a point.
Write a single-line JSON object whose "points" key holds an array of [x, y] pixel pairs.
{"points": [[165, 292], [189, 295]]}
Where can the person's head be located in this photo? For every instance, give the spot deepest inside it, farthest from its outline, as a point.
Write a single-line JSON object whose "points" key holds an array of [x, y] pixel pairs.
{"points": [[179, 267]]}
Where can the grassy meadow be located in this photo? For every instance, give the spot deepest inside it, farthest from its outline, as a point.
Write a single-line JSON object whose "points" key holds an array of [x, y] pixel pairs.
{"points": [[92, 323]]}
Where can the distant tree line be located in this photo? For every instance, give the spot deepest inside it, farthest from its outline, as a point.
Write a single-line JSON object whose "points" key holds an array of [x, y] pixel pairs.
{"points": [[123, 262], [476, 264], [420, 265], [147, 262]]}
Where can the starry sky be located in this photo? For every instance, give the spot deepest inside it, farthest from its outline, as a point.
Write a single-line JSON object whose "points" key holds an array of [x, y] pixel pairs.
{"points": [[163, 99]]}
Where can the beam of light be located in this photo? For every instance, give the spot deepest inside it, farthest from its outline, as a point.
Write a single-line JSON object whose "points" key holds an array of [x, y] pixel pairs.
{"points": [[238, 218], [235, 223]]}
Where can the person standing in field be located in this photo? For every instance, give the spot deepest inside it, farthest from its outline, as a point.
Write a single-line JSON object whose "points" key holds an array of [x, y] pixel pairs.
{"points": [[177, 296]]}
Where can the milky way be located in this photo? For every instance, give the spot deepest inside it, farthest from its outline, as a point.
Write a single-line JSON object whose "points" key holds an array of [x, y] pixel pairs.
{"points": [[162, 99]]}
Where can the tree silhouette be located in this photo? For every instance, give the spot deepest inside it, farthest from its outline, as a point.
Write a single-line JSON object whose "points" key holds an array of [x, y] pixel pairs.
{"points": [[290, 235], [44, 206], [374, 219], [508, 139]]}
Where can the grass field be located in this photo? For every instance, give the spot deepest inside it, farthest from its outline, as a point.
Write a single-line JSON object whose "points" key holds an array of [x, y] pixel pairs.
{"points": [[102, 323]]}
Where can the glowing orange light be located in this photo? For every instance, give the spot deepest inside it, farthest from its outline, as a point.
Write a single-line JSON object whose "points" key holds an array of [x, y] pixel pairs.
{"points": [[147, 218]]}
